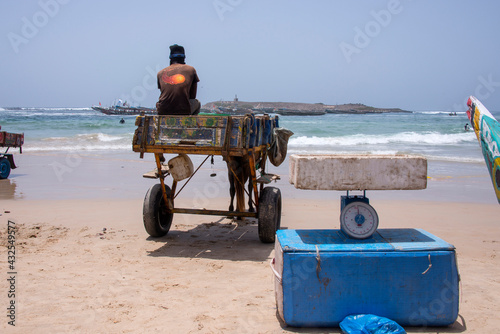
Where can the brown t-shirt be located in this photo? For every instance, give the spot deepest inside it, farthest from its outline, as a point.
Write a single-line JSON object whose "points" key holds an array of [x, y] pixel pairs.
{"points": [[176, 88]]}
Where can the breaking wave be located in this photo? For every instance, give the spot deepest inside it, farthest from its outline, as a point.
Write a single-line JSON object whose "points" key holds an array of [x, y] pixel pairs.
{"points": [[410, 138]]}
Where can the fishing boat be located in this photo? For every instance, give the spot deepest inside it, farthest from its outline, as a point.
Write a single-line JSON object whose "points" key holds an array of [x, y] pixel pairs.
{"points": [[487, 131], [119, 110], [122, 108], [293, 112], [232, 111]]}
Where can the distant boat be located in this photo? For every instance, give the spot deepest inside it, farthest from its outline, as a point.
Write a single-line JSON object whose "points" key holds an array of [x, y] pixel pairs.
{"points": [[232, 111], [124, 110], [291, 112]]}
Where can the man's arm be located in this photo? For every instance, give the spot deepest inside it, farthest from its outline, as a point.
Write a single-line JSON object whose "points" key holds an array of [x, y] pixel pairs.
{"points": [[192, 91]]}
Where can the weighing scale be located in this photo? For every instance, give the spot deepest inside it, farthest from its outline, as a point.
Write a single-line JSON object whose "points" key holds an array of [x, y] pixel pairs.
{"points": [[358, 219], [358, 173]]}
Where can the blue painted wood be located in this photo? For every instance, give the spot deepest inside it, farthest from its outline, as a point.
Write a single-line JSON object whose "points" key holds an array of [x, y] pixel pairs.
{"points": [[210, 131], [268, 131], [407, 275]]}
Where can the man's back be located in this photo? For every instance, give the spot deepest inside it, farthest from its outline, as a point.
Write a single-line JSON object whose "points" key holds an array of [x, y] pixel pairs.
{"points": [[177, 84]]}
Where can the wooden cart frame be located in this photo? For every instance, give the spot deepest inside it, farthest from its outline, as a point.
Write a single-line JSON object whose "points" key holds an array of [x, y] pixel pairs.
{"points": [[9, 140], [246, 136]]}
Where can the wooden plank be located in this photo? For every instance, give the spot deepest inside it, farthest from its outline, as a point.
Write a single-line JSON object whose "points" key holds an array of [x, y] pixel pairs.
{"points": [[191, 149], [268, 178], [154, 173]]}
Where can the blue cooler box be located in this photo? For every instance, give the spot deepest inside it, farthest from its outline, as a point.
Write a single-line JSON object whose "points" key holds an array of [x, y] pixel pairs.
{"points": [[407, 275]]}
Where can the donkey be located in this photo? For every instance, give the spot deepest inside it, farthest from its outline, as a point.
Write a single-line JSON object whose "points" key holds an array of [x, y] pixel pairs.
{"points": [[238, 169]]}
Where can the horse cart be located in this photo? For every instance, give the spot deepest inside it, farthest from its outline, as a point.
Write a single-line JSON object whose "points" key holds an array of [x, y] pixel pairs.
{"points": [[244, 142], [8, 140]]}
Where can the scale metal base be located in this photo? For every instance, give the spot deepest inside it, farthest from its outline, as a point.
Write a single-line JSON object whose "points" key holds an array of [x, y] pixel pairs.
{"points": [[345, 200]]}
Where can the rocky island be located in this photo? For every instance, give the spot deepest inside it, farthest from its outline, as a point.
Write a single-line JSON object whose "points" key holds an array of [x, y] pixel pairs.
{"points": [[237, 107]]}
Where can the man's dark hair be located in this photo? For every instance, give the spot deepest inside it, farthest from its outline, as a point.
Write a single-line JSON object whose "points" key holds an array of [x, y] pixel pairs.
{"points": [[177, 55]]}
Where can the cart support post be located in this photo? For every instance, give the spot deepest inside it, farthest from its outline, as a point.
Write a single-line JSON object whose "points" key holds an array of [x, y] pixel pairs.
{"points": [[144, 136], [162, 181], [263, 164]]}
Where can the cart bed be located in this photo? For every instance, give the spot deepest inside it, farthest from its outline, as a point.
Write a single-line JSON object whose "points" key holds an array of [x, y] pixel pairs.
{"points": [[11, 139], [214, 135]]}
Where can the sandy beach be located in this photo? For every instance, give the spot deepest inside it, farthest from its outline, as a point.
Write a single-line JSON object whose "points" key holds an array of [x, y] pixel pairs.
{"points": [[85, 264]]}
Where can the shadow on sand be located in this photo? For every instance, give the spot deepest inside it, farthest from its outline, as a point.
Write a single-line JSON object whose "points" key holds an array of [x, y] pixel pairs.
{"points": [[224, 239]]}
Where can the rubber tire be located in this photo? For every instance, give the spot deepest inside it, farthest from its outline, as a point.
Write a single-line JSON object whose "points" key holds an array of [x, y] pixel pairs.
{"points": [[157, 220], [269, 214], [4, 168]]}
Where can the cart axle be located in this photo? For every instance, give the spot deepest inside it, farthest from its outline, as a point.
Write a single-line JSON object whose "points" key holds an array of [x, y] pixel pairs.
{"points": [[215, 212]]}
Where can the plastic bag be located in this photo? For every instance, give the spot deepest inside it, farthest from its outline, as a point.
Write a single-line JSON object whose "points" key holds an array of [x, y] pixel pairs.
{"points": [[369, 324]]}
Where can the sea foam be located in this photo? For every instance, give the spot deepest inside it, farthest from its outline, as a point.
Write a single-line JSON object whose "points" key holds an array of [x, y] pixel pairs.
{"points": [[413, 138]]}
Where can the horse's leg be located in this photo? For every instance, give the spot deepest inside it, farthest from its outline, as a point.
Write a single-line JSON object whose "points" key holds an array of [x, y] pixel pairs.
{"points": [[232, 190], [240, 196], [238, 178], [250, 189], [248, 176]]}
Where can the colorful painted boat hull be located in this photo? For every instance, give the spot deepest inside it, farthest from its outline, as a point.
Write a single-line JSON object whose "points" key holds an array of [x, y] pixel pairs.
{"points": [[487, 130]]}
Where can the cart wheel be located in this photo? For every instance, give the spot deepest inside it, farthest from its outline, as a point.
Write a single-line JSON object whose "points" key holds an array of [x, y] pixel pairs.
{"points": [[157, 220], [269, 214], [4, 168]]}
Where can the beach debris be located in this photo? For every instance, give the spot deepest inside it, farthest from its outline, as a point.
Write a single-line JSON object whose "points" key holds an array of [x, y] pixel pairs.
{"points": [[101, 234], [202, 251]]}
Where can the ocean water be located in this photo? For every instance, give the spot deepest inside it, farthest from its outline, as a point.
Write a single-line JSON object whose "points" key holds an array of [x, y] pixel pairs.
{"points": [[433, 134]]}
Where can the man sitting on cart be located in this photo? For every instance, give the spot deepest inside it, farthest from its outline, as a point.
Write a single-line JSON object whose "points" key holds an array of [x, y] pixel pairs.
{"points": [[177, 84]]}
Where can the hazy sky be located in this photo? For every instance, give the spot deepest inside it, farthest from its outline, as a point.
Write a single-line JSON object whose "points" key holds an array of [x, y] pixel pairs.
{"points": [[411, 54]]}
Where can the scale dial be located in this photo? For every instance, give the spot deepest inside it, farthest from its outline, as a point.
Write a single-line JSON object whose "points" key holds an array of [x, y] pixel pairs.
{"points": [[359, 220]]}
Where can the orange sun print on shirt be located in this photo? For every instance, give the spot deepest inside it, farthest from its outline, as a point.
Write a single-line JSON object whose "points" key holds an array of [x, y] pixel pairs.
{"points": [[174, 79]]}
